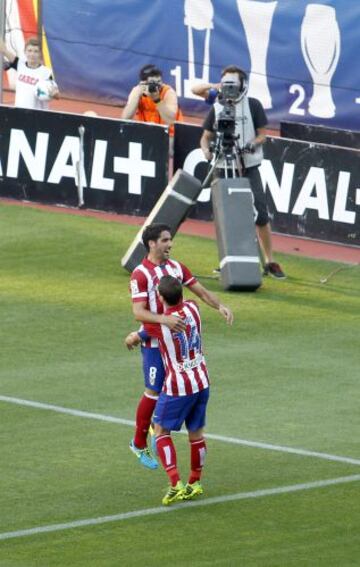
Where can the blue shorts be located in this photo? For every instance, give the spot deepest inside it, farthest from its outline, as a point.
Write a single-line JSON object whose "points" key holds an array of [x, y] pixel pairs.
{"points": [[171, 411], [153, 368]]}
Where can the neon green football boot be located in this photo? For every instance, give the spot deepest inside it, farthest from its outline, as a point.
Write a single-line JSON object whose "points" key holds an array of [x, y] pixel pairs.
{"points": [[193, 490], [174, 494]]}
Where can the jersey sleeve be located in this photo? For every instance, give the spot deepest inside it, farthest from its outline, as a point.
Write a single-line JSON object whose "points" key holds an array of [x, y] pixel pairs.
{"points": [[188, 278], [138, 286], [153, 330]]}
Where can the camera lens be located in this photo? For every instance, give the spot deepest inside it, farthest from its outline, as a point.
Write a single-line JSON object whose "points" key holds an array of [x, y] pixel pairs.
{"points": [[153, 87]]}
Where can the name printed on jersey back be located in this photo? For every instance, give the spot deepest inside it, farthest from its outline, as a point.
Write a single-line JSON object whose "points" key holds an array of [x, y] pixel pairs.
{"points": [[190, 364]]}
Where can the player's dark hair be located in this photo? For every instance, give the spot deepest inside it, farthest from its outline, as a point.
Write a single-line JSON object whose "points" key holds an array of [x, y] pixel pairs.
{"points": [[171, 290], [149, 71], [153, 232]]}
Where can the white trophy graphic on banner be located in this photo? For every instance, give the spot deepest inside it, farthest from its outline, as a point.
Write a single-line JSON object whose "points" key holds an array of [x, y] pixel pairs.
{"points": [[198, 16], [320, 44], [257, 19]]}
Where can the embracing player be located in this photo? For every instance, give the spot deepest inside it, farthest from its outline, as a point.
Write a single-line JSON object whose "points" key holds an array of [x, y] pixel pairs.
{"points": [[186, 388], [147, 308]]}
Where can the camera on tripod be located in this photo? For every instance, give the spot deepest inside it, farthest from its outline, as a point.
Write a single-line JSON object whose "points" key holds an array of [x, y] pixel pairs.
{"points": [[226, 121], [229, 94]]}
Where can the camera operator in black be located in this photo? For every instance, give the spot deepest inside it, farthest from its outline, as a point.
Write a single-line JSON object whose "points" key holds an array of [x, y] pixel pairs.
{"points": [[249, 134], [151, 100]]}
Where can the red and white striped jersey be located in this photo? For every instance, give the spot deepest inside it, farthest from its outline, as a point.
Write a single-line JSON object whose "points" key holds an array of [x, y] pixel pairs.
{"points": [[145, 279], [185, 367]]}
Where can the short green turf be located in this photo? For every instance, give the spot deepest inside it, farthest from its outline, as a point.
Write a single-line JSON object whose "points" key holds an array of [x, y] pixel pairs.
{"points": [[286, 373]]}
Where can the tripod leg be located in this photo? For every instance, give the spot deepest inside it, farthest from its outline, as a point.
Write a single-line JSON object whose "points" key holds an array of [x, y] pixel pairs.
{"points": [[238, 165], [207, 179]]}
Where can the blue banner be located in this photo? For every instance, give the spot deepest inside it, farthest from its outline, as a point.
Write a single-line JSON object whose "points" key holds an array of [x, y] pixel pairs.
{"points": [[301, 56]]}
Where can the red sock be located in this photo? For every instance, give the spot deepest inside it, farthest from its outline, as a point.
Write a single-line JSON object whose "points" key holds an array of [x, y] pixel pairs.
{"points": [[198, 452], [167, 456], [143, 419]]}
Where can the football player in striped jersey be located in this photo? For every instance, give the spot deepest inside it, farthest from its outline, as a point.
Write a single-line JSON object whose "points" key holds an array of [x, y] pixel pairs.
{"points": [[147, 308], [185, 391]]}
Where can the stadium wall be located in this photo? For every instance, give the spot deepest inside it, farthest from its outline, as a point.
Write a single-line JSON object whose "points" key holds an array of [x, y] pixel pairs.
{"points": [[313, 189]]}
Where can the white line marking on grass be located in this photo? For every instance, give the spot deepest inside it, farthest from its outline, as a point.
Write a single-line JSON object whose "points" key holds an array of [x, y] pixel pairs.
{"points": [[232, 440], [186, 505], [68, 411], [283, 449]]}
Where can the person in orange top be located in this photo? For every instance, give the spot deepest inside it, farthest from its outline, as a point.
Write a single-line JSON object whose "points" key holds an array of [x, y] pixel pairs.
{"points": [[152, 100]]}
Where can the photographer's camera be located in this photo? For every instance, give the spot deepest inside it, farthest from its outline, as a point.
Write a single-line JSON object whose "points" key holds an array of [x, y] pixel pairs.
{"points": [[153, 87]]}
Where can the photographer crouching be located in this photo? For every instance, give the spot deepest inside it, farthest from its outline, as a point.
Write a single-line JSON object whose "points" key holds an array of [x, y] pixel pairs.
{"points": [[151, 100], [234, 132]]}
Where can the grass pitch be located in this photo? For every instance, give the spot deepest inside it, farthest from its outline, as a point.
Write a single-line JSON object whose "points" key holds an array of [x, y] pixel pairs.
{"points": [[285, 374]]}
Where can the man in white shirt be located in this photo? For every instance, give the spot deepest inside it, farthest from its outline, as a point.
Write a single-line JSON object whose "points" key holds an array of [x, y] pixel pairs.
{"points": [[30, 71]]}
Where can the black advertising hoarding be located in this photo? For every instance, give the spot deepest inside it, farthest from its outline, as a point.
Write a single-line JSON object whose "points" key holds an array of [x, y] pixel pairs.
{"points": [[125, 163], [320, 134], [313, 189]]}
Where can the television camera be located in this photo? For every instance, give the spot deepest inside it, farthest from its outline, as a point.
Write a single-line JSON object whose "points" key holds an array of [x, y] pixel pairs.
{"points": [[226, 147]]}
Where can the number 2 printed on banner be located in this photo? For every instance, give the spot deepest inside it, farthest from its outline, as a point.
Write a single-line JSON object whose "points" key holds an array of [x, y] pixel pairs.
{"points": [[295, 108]]}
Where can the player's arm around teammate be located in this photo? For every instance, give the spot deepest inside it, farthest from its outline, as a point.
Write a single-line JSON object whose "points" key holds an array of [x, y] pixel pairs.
{"points": [[143, 315]]}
